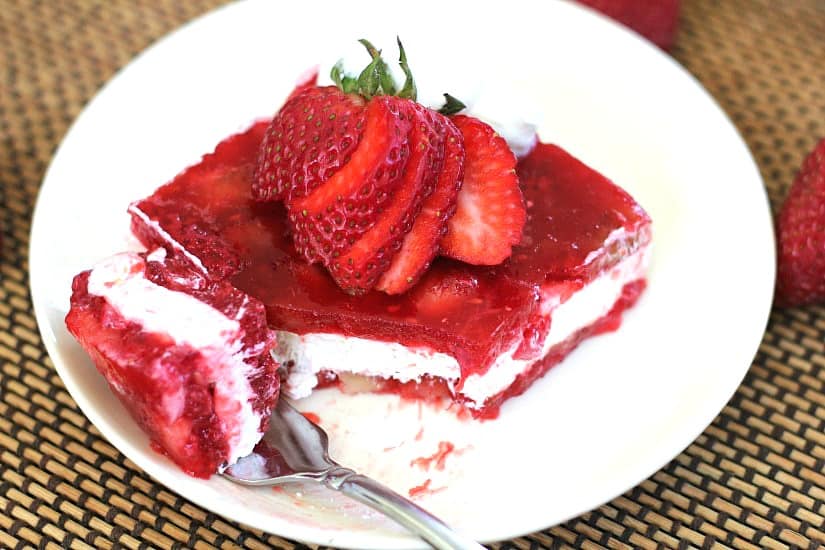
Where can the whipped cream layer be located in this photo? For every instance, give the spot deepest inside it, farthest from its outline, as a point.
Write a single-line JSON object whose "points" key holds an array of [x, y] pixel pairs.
{"points": [[187, 321], [309, 354], [490, 100]]}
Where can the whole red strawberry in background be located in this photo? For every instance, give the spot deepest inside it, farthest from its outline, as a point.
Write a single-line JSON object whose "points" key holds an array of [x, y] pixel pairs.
{"points": [[801, 235], [656, 20]]}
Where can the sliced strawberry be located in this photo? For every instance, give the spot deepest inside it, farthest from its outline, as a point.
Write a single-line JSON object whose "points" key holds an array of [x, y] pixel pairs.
{"points": [[328, 221], [444, 290], [490, 214], [421, 244], [308, 140], [358, 269]]}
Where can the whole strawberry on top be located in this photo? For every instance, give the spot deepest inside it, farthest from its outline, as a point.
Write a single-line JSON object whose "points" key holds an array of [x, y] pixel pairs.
{"points": [[801, 235], [371, 180]]}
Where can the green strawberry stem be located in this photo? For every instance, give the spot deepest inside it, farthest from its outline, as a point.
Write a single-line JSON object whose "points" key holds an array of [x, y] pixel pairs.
{"points": [[376, 79]]}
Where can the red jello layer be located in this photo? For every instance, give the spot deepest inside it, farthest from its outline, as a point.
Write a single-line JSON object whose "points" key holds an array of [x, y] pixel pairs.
{"points": [[168, 386], [472, 313]]}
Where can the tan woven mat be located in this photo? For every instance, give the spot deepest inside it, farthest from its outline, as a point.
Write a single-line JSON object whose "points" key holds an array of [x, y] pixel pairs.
{"points": [[754, 479]]}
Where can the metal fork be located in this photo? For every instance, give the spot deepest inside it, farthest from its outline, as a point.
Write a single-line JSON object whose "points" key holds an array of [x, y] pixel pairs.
{"points": [[296, 450]]}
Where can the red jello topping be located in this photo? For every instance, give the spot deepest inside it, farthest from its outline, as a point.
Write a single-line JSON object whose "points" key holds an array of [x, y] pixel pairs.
{"points": [[571, 209]]}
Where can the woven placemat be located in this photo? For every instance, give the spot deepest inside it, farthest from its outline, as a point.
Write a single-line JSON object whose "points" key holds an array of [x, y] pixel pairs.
{"points": [[754, 479]]}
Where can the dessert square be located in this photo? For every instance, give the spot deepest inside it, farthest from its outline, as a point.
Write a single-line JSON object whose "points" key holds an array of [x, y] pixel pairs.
{"points": [[474, 334]]}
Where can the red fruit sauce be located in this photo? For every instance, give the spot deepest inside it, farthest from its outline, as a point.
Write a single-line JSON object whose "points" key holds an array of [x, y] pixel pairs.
{"points": [[424, 489], [473, 313], [437, 459]]}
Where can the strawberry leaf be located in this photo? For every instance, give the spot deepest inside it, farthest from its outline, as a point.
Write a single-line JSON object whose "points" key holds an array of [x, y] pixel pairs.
{"points": [[386, 82], [368, 80], [408, 90], [376, 78], [335, 74], [372, 50], [346, 83], [451, 106]]}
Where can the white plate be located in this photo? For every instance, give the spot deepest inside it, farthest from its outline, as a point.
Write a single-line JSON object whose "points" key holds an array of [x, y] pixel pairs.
{"points": [[614, 412]]}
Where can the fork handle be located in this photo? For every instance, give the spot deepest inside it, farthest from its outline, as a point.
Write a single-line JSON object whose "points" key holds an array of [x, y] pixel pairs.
{"points": [[410, 515]]}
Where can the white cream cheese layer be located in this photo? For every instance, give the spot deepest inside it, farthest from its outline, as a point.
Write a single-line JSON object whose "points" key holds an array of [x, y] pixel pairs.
{"points": [[307, 355], [187, 321]]}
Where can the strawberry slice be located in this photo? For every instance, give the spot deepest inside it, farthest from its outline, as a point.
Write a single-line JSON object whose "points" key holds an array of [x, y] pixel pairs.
{"points": [[421, 244], [328, 221], [359, 268], [490, 214], [309, 139]]}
